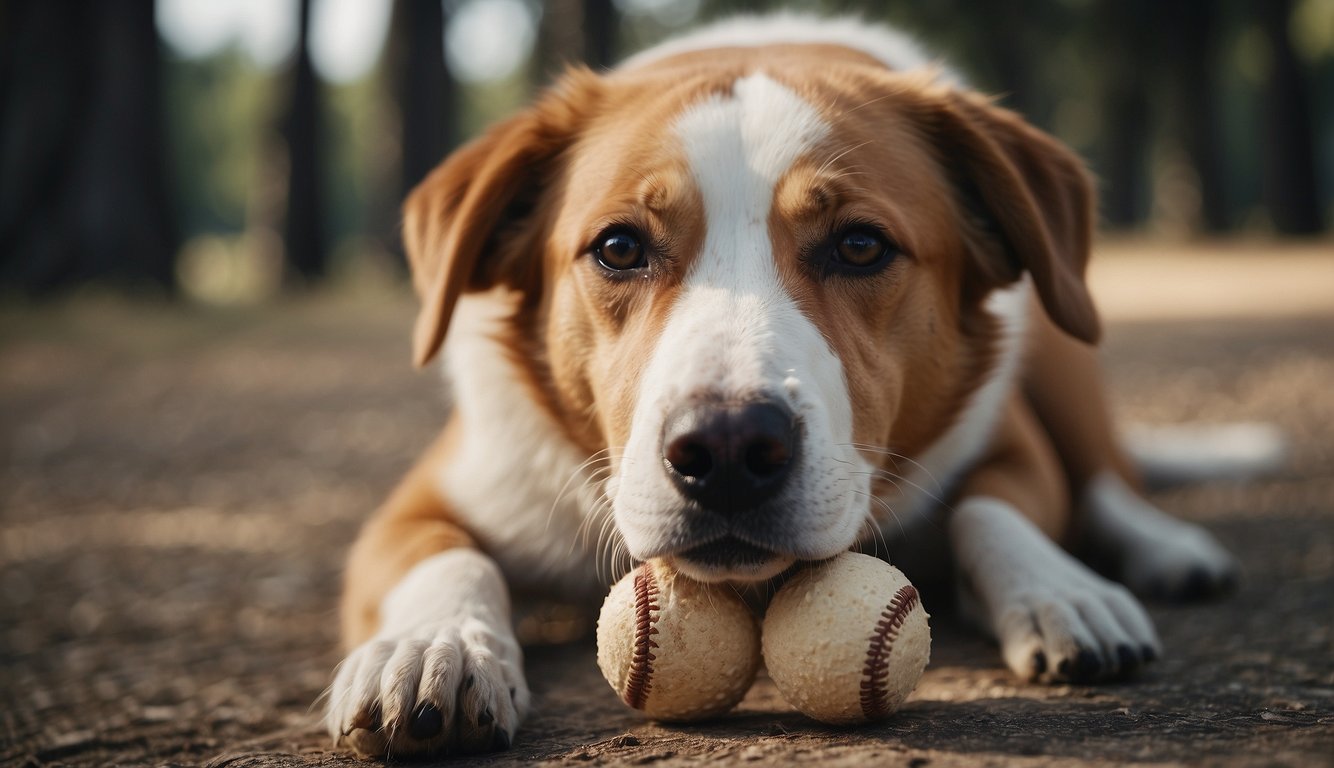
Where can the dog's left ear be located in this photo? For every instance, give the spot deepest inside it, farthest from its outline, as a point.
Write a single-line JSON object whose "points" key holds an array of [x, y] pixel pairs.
{"points": [[469, 225], [1031, 199]]}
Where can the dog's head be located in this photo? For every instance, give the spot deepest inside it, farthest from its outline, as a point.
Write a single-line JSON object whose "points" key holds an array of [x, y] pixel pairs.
{"points": [[752, 280]]}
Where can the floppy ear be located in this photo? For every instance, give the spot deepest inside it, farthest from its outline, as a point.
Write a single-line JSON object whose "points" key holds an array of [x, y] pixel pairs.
{"points": [[469, 224], [1033, 202]]}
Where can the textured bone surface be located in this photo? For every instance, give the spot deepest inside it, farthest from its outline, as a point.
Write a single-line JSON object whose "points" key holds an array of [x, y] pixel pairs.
{"points": [[674, 648], [847, 640]]}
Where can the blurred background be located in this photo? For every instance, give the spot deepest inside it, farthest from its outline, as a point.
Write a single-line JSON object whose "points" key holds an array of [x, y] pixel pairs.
{"points": [[205, 381], [231, 151]]}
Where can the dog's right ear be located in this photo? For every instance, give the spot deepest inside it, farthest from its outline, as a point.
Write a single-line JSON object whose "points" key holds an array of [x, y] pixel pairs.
{"points": [[463, 225]]}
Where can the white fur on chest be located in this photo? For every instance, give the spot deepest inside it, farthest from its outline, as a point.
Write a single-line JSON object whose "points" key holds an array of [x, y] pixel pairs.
{"points": [[513, 478]]}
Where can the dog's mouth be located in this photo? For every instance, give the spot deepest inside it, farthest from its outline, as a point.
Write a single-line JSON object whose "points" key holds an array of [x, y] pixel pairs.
{"points": [[730, 559]]}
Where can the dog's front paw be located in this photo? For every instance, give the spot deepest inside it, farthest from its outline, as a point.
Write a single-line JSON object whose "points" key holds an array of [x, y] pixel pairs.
{"points": [[1151, 552], [1076, 632], [1055, 619], [454, 689], [443, 675]]}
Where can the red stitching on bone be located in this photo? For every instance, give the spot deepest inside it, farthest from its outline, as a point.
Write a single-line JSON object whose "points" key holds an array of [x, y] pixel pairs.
{"points": [[640, 680], [875, 675]]}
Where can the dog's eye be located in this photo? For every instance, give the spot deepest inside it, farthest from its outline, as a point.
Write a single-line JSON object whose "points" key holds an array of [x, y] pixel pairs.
{"points": [[861, 248], [619, 250]]}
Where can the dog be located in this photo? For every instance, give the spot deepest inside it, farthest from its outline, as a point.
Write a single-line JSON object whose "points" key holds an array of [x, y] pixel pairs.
{"points": [[760, 295]]}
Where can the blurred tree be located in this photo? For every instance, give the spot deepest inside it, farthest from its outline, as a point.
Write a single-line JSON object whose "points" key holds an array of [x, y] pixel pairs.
{"points": [[303, 224], [426, 91], [427, 105], [1189, 41], [600, 28], [1008, 35], [1123, 159], [573, 31], [83, 192], [1290, 185], [714, 9]]}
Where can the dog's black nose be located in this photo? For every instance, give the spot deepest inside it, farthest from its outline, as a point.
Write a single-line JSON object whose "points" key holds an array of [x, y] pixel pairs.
{"points": [[730, 457]]}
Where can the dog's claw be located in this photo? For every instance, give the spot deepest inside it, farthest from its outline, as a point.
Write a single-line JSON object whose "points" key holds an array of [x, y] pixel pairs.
{"points": [[1126, 659], [369, 720], [466, 694], [427, 722], [1088, 666]]}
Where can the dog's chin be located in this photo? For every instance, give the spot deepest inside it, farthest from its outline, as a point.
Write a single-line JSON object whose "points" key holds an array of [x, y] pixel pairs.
{"points": [[730, 560]]}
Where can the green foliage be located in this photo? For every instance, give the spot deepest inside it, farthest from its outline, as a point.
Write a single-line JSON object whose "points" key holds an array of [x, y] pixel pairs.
{"points": [[1050, 59], [219, 121]]}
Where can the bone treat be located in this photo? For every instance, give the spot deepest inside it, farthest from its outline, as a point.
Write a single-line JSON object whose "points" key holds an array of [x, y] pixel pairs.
{"points": [[674, 648], [846, 640]]}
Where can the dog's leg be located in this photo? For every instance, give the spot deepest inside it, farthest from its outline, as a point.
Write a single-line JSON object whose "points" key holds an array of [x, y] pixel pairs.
{"points": [[1149, 551], [1054, 618], [1124, 535], [434, 666]]}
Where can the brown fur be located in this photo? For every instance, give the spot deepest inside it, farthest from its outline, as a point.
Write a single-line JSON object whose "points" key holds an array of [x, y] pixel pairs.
{"points": [[413, 524], [973, 195]]}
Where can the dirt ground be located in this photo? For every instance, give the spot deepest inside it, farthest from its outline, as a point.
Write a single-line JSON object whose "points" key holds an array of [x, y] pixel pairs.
{"points": [[179, 486]]}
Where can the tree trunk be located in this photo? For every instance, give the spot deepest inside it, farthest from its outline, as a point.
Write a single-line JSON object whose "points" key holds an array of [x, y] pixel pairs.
{"points": [[83, 183], [1123, 161], [303, 235], [1190, 30], [560, 39], [426, 91], [574, 31], [1290, 186], [601, 26], [1006, 36]]}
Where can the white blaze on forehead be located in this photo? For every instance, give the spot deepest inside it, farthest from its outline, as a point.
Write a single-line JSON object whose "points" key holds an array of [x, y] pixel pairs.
{"points": [[746, 331], [735, 332], [738, 148]]}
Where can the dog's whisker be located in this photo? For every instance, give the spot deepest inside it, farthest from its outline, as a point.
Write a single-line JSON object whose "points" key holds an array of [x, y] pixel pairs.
{"points": [[621, 562], [603, 455], [607, 543], [879, 532], [598, 543], [622, 553], [600, 506], [605, 540], [868, 103], [883, 451], [894, 479], [585, 529], [888, 511], [825, 166], [870, 530]]}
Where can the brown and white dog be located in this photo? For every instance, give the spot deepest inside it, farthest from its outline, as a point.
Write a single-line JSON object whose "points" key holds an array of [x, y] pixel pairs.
{"points": [[758, 296]]}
